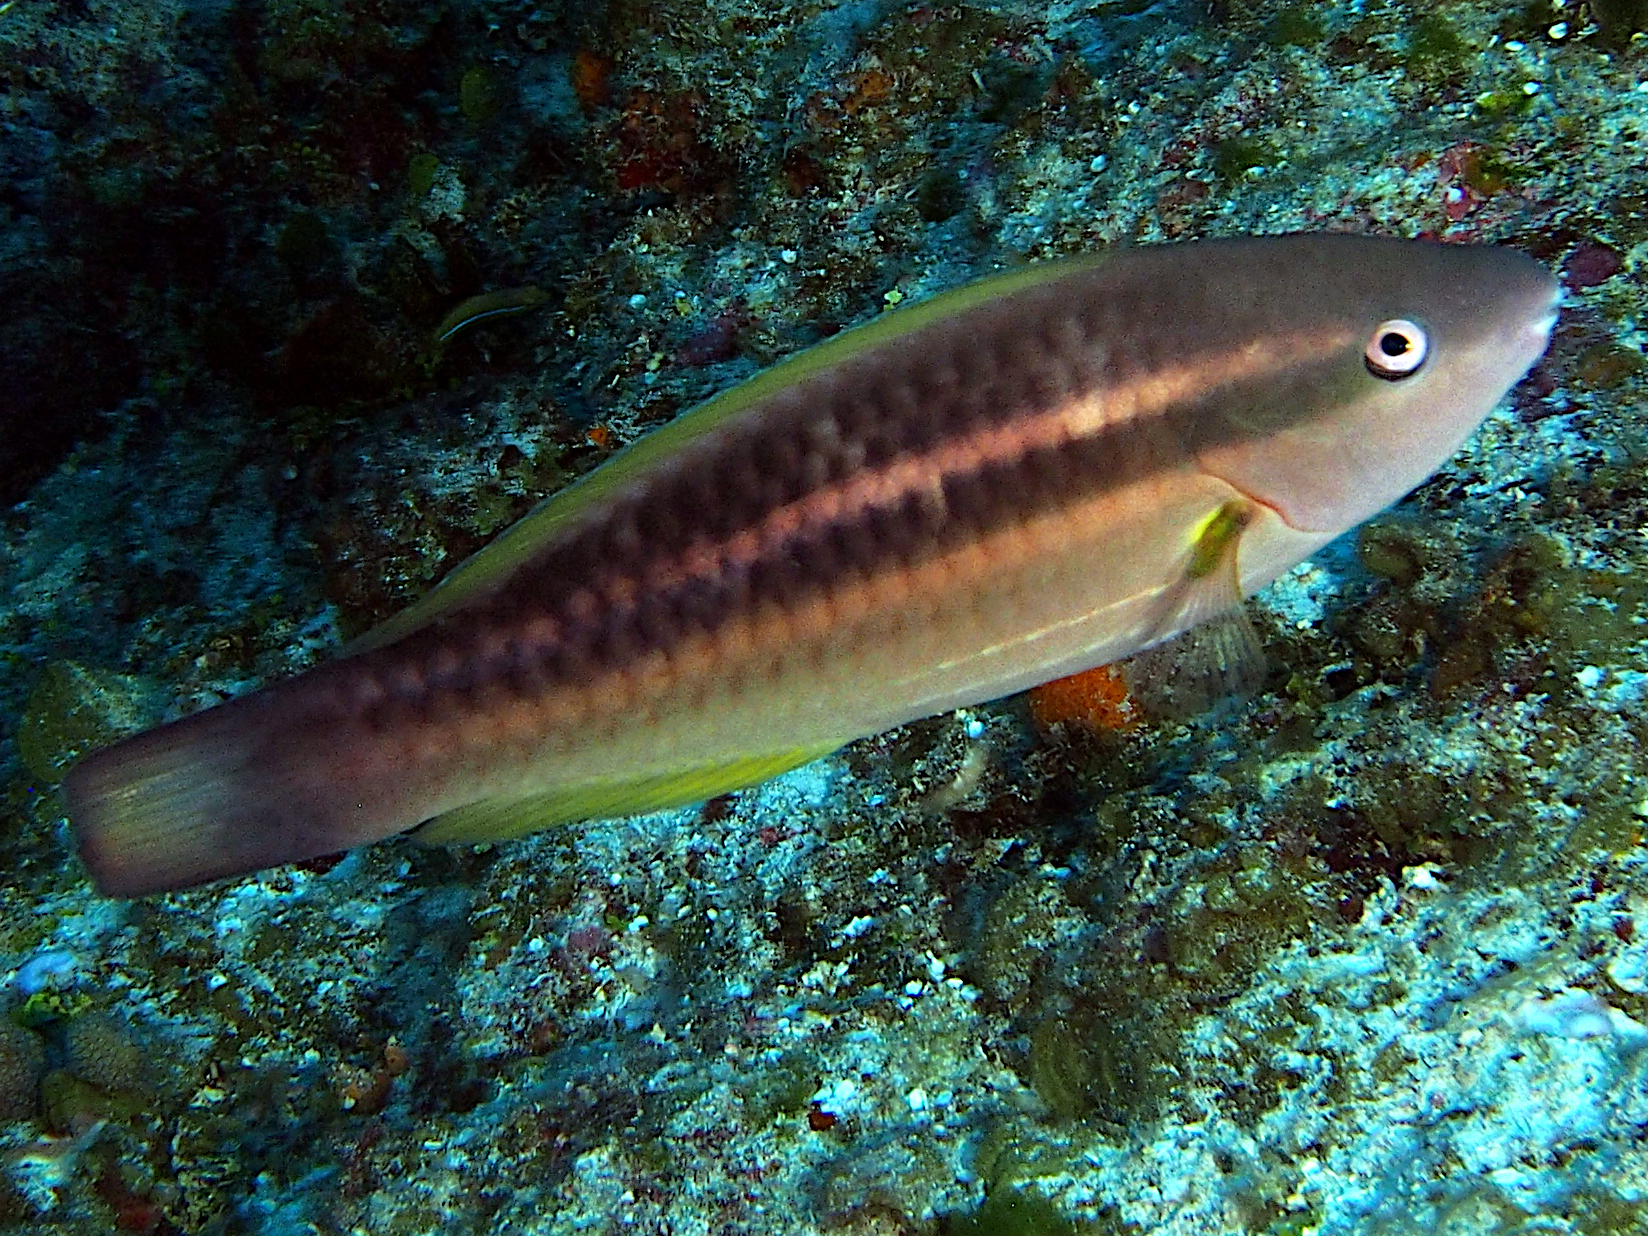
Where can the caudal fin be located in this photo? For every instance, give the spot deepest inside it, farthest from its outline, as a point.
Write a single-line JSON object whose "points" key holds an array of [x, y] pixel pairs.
{"points": [[252, 783]]}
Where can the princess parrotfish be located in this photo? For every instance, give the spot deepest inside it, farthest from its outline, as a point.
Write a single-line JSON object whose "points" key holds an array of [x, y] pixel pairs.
{"points": [[1044, 471]]}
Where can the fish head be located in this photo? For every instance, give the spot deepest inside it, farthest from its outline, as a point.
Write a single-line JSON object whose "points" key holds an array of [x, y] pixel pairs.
{"points": [[1380, 358]]}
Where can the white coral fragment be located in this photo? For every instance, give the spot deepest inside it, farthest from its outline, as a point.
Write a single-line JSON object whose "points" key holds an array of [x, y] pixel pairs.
{"points": [[1574, 1013]]}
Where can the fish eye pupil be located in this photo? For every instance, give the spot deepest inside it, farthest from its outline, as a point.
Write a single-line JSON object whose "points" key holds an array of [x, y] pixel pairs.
{"points": [[1396, 349]]}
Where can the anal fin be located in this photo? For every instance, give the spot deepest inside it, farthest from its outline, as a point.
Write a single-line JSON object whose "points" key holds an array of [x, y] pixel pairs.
{"points": [[499, 818]]}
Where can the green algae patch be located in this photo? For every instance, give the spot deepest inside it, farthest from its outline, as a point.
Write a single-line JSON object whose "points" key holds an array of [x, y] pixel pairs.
{"points": [[783, 1092], [1295, 26], [304, 246], [46, 1008], [1016, 935], [1618, 20], [482, 93], [1397, 549], [420, 174], [1520, 597], [1604, 366], [22, 1063], [1012, 1212], [102, 1050], [1083, 1065], [1503, 104], [1435, 49], [1237, 157], [940, 195], [1486, 171], [73, 711]]}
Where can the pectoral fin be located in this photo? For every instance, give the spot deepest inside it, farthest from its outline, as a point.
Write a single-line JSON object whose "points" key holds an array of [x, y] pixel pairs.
{"points": [[1220, 655]]}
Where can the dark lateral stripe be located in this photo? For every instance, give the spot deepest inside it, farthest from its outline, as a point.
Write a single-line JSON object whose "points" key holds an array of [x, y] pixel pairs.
{"points": [[796, 502]]}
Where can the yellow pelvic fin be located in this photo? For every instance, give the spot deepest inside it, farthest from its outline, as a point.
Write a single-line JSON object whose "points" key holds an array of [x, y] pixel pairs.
{"points": [[498, 818]]}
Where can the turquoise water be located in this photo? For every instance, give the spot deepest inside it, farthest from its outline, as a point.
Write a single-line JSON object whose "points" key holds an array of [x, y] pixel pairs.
{"points": [[1367, 953]]}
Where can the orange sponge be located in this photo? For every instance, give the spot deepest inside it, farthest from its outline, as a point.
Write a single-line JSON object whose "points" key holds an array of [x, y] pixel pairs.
{"points": [[1096, 700]]}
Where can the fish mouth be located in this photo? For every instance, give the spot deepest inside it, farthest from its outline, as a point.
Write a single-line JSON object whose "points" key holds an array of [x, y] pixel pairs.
{"points": [[1547, 311], [1535, 336]]}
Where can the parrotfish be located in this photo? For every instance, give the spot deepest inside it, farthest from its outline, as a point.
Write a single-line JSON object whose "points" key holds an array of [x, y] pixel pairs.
{"points": [[1044, 471]]}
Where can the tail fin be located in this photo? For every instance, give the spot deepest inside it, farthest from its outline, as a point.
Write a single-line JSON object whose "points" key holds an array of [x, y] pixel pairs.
{"points": [[252, 783]]}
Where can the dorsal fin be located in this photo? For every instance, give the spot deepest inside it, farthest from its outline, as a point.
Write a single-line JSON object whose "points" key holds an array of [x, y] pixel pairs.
{"points": [[487, 569]]}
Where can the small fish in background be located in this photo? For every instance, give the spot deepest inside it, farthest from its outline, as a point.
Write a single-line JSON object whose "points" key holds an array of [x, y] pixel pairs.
{"points": [[503, 302], [1041, 472]]}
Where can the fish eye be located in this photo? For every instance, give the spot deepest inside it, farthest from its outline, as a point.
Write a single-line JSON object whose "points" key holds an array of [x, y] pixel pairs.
{"points": [[1396, 349]]}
